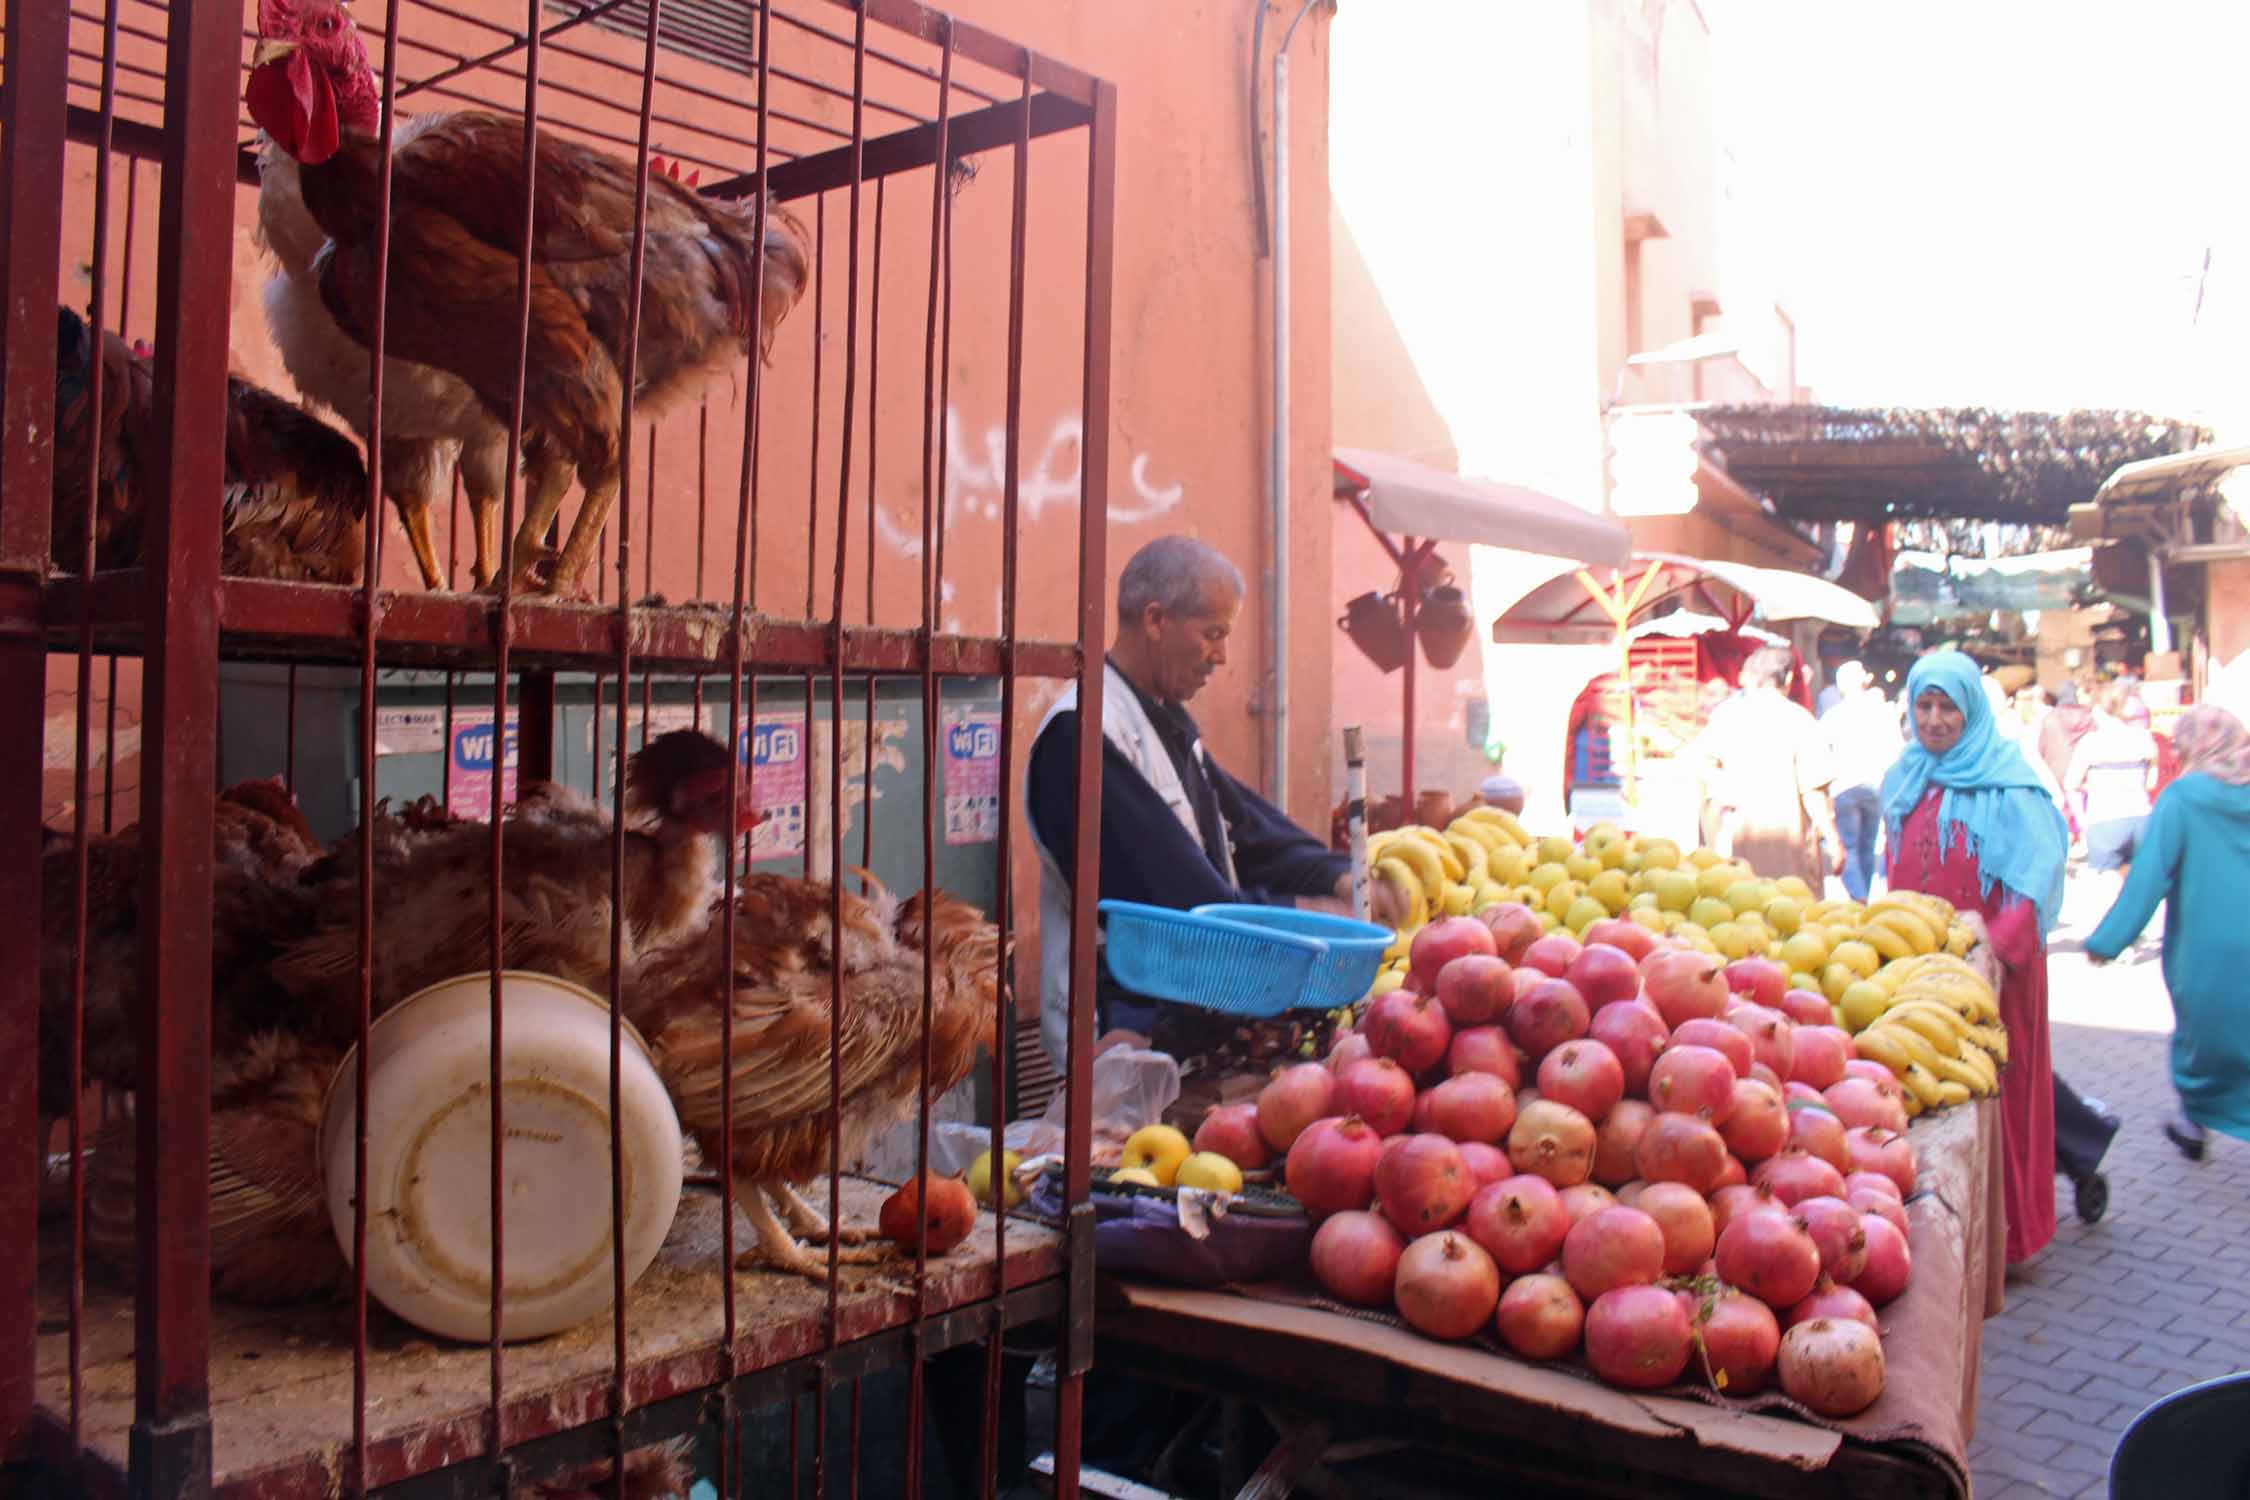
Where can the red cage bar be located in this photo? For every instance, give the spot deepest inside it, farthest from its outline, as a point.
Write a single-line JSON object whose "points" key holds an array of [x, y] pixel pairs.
{"points": [[763, 109]]}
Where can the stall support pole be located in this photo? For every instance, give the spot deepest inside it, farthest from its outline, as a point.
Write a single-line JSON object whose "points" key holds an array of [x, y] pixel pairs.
{"points": [[1409, 602], [2159, 622], [1355, 814]]}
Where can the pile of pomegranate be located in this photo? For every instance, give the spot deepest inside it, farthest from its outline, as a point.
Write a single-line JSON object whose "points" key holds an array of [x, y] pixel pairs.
{"points": [[1623, 1148]]}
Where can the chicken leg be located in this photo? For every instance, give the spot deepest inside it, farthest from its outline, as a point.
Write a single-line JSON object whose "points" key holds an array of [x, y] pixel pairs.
{"points": [[548, 480], [414, 515], [778, 1250], [809, 1224], [484, 471]]}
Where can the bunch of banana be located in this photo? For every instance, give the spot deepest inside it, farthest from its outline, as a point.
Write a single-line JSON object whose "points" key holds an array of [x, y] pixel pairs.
{"points": [[1941, 1032]]}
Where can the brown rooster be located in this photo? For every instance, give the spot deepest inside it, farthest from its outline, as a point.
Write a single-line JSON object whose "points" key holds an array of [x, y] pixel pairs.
{"points": [[433, 893], [779, 985], [262, 846], [295, 500], [454, 241]]}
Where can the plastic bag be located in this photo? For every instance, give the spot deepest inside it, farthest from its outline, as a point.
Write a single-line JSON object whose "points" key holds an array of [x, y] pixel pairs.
{"points": [[1132, 1087]]}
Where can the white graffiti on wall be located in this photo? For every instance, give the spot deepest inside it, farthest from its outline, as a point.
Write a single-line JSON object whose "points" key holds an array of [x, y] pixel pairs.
{"points": [[976, 481]]}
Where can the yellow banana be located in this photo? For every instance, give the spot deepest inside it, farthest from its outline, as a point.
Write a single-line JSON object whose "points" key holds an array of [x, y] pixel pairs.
{"points": [[1993, 1040], [1503, 820], [1475, 862], [1881, 1045], [1478, 829], [1959, 940], [1432, 840], [1385, 982], [1917, 1046], [1429, 875], [1886, 941], [1940, 1027], [1457, 900], [1911, 1101], [1980, 1062], [1908, 924], [1923, 1084], [1407, 879], [1957, 1071], [1951, 1091]]}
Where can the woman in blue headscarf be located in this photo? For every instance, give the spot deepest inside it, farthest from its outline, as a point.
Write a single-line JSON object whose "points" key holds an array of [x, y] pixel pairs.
{"points": [[1969, 820]]}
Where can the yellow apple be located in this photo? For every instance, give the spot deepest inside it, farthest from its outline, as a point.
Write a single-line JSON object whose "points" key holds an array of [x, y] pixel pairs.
{"points": [[1159, 1148], [1208, 1169], [980, 1177]]}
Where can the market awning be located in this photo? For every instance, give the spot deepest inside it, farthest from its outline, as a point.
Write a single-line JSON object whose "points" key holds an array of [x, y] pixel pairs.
{"points": [[1930, 586], [1565, 610], [1415, 500]]}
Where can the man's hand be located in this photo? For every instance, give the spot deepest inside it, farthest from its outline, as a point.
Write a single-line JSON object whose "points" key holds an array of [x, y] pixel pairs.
{"points": [[1387, 904]]}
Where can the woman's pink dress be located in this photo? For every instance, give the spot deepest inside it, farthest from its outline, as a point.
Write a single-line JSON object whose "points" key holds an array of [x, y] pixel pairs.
{"points": [[2027, 1084]]}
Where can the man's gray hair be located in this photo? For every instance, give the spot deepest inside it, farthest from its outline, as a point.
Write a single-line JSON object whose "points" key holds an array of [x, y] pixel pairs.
{"points": [[1767, 667], [1177, 572]]}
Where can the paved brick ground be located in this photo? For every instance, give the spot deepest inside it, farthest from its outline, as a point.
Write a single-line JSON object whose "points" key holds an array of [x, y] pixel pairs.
{"points": [[2154, 1297]]}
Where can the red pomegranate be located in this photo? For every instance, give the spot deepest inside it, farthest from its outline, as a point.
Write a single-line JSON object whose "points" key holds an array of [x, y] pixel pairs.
{"points": [[1232, 1131], [1681, 1148], [1731, 1202], [1684, 985], [1773, 1037], [1864, 1103], [1757, 1126], [1446, 1286], [1834, 1366], [1617, 1139], [1486, 1163], [1351, 1047], [1732, 1173], [1380, 1092], [1520, 1221], [1807, 1008], [1721, 1037], [1485, 1049], [1475, 988], [1817, 1132], [1882, 1205], [1866, 1067], [1889, 1262], [1794, 1093], [1829, 1300], [1419, 1122], [1471, 1107], [1603, 974], [1685, 1221], [1819, 1058], [1439, 943], [1760, 979], [1882, 1151], [1795, 1176], [1636, 1034], [1853, 1181], [1553, 1141], [1770, 1256], [1585, 1075], [1638, 1337], [1741, 1340], [1765, 1075], [1540, 1317], [1355, 1257], [1331, 1166], [1409, 1028], [1622, 932], [1612, 1247], [1692, 1080], [1586, 1198], [1295, 1098], [1514, 928], [1552, 954], [1835, 1228], [1423, 1184], [1545, 1016]]}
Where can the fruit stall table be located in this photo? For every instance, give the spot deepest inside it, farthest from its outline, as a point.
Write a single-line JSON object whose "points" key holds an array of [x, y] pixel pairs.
{"points": [[1348, 1389]]}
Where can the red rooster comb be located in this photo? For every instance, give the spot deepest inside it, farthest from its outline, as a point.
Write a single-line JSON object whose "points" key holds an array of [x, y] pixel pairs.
{"points": [[665, 167]]}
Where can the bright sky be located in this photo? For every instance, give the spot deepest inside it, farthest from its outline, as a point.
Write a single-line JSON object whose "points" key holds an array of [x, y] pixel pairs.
{"points": [[1997, 202]]}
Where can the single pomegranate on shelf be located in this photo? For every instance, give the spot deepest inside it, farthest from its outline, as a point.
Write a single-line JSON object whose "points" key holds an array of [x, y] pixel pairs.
{"points": [[1693, 1080], [1409, 1028], [1355, 1257], [1832, 1365], [1741, 1339], [1331, 1166], [1295, 1097], [1682, 1148], [1520, 1221], [1585, 1075], [1638, 1337], [1471, 1107], [1552, 1141], [1446, 1286], [1485, 1049], [1379, 1091], [1232, 1131], [1684, 1219], [1617, 1139], [1634, 1033], [1770, 1256], [1540, 1317], [1422, 1183], [1794, 1176]]}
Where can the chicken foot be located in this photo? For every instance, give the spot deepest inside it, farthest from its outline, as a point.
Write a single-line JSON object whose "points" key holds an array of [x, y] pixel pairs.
{"points": [[778, 1250], [414, 515], [809, 1224]]}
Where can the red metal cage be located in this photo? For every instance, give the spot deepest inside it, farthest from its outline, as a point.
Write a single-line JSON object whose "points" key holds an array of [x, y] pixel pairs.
{"points": [[143, 1380]]}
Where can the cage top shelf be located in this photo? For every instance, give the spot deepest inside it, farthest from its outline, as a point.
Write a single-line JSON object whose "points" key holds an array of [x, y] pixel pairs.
{"points": [[704, 109]]}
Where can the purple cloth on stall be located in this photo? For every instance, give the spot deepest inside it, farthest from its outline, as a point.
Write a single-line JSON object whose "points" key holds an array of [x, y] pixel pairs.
{"points": [[1140, 1235]]}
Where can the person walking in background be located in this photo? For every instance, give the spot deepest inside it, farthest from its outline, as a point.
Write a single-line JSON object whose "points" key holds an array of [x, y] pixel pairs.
{"points": [[1968, 819], [1764, 766], [2068, 722], [2194, 856], [2111, 778], [1863, 739]]}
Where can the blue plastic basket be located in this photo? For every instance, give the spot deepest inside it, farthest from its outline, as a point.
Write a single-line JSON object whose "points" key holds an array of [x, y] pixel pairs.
{"points": [[1355, 949], [1238, 968]]}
